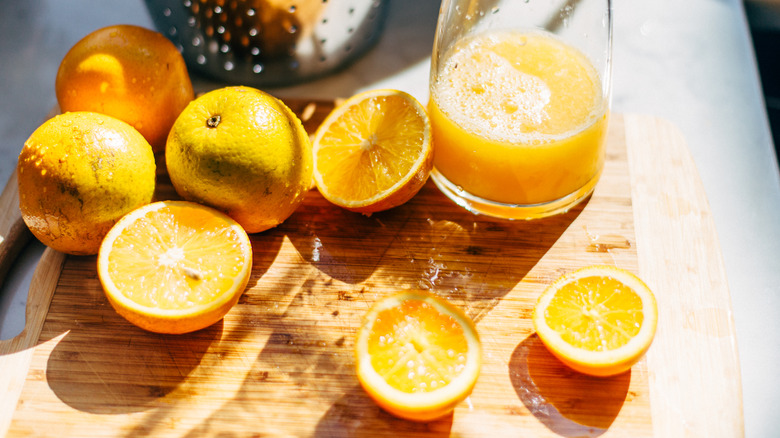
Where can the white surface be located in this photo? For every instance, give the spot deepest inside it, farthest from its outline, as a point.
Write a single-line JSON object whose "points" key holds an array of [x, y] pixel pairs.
{"points": [[690, 62]]}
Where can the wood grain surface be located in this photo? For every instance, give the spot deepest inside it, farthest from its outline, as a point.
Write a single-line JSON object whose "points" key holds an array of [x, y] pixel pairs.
{"points": [[14, 234], [281, 362], [695, 378]]}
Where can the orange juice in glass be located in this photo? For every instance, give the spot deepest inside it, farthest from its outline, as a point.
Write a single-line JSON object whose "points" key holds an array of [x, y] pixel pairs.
{"points": [[519, 113]]}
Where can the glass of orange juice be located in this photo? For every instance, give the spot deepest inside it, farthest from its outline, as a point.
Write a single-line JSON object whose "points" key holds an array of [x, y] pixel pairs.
{"points": [[519, 103]]}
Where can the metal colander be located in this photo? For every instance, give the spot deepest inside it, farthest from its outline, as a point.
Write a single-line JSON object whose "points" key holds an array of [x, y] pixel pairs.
{"points": [[269, 42]]}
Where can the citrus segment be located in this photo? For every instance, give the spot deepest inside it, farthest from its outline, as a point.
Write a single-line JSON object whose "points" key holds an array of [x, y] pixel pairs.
{"points": [[598, 320], [418, 356], [174, 266], [373, 152]]}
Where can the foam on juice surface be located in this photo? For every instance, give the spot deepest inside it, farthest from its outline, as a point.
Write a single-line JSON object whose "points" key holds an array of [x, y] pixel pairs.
{"points": [[518, 88]]}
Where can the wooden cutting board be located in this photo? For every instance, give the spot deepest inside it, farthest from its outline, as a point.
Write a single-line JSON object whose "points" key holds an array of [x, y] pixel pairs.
{"points": [[281, 364]]}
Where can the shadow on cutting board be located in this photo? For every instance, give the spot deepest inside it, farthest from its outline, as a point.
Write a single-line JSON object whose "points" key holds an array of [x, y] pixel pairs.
{"points": [[286, 349], [428, 243], [105, 365], [144, 367], [567, 402]]}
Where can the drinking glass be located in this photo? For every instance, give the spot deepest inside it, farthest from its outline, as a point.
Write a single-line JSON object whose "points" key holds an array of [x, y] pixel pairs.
{"points": [[519, 103]]}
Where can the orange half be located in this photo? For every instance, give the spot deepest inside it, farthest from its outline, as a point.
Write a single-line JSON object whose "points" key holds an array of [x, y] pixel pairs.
{"points": [[418, 356], [174, 266], [373, 152], [598, 320]]}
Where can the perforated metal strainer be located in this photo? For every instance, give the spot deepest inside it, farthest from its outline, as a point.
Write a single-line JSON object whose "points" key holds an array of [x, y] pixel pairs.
{"points": [[269, 42]]}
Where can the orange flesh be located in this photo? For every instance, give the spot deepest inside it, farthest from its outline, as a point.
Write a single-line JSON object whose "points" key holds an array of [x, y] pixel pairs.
{"points": [[595, 313], [371, 148], [415, 348], [178, 269]]}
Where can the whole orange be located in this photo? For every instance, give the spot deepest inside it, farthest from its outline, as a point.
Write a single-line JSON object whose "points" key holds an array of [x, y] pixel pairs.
{"points": [[243, 152], [128, 72], [80, 172]]}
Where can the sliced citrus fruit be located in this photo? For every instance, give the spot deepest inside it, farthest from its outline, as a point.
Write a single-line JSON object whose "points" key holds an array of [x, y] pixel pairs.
{"points": [[174, 266], [598, 320], [418, 356], [373, 152]]}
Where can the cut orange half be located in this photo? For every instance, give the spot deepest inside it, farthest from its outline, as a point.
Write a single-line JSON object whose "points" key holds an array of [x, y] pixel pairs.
{"points": [[598, 320], [174, 266], [418, 356], [373, 152]]}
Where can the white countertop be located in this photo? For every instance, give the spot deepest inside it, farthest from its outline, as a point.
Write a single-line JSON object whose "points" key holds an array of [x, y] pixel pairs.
{"points": [[689, 62]]}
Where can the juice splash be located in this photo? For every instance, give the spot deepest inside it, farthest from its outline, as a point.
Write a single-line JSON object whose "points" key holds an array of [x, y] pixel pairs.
{"points": [[518, 118]]}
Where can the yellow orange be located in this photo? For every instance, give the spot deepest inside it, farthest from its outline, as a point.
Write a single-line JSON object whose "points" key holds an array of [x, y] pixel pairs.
{"points": [[241, 151], [78, 173], [128, 72]]}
